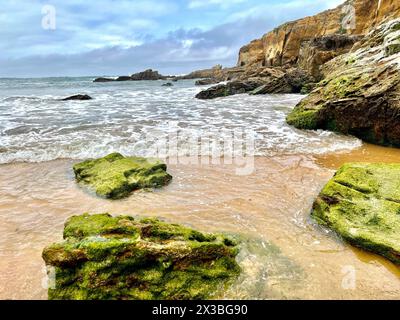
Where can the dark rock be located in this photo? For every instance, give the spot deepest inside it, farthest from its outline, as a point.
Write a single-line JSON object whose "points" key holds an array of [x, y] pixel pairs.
{"points": [[206, 82], [168, 84], [102, 79], [231, 88], [78, 97], [147, 75], [124, 78]]}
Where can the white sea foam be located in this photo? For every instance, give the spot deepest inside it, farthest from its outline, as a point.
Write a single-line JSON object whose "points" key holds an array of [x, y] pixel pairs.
{"points": [[132, 118]]}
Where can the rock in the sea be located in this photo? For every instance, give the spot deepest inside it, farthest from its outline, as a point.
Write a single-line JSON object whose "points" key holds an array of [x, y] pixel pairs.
{"points": [[116, 176], [102, 79], [78, 97], [231, 88], [123, 78], [261, 81], [168, 84], [206, 82], [362, 204], [122, 258], [147, 75], [360, 94]]}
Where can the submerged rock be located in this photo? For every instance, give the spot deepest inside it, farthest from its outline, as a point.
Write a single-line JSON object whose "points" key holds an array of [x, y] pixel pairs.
{"points": [[360, 92], [362, 204], [168, 84], [104, 257], [78, 97], [116, 176]]}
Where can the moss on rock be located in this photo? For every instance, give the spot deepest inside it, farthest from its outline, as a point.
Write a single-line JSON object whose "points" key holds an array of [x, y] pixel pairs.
{"points": [[116, 176], [105, 257], [362, 204], [359, 95], [303, 119]]}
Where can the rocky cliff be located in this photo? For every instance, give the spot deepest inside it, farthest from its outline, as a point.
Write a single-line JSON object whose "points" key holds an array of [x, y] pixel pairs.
{"points": [[282, 45], [360, 94]]}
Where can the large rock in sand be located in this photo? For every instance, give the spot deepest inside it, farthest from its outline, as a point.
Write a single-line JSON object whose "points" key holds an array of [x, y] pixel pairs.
{"points": [[116, 176], [362, 204], [110, 258]]}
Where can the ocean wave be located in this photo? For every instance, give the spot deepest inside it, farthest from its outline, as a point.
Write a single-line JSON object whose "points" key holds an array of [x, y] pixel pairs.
{"points": [[141, 118]]}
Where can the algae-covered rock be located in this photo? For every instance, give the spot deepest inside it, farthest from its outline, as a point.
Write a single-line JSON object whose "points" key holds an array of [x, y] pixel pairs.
{"points": [[362, 204], [115, 176], [105, 257], [360, 92]]}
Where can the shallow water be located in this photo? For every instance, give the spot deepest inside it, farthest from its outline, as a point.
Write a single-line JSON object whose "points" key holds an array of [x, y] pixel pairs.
{"points": [[133, 117], [287, 256], [284, 255]]}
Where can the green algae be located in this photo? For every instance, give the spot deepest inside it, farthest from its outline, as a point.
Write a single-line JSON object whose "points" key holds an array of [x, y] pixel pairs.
{"points": [[116, 176], [303, 119], [105, 257], [362, 204]]}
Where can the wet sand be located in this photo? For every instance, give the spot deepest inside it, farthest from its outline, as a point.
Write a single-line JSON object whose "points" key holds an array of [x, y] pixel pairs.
{"points": [[270, 206]]}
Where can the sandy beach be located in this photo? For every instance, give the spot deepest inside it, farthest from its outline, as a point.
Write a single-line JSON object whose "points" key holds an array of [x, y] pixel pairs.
{"points": [[270, 206]]}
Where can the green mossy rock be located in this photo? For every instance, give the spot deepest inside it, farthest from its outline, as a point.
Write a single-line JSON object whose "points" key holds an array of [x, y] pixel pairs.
{"points": [[116, 176], [360, 92], [362, 204], [104, 257]]}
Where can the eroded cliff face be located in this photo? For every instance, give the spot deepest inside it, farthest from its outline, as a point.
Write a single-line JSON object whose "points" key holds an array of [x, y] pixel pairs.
{"points": [[281, 46]]}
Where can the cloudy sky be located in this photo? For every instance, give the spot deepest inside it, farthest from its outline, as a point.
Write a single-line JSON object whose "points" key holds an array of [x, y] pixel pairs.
{"points": [[116, 37]]}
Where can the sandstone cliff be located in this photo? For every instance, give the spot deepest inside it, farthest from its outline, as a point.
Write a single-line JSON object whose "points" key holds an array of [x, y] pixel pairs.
{"points": [[360, 94], [282, 45]]}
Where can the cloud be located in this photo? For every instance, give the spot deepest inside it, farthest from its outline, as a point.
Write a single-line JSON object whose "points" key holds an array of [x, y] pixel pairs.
{"points": [[196, 4], [109, 37]]}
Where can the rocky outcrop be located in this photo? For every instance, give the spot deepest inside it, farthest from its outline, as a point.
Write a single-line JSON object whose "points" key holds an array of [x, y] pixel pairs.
{"points": [[147, 75], [206, 82], [79, 97], [122, 258], [360, 94], [316, 52], [215, 72], [282, 45], [116, 176], [362, 204], [261, 81], [229, 89], [102, 79]]}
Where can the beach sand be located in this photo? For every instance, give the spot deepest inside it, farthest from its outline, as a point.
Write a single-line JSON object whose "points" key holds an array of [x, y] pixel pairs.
{"points": [[271, 206]]}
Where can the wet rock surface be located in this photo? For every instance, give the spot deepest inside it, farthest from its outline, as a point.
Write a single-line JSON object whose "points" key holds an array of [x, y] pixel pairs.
{"points": [[78, 97], [360, 94], [122, 258], [362, 204], [116, 176]]}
